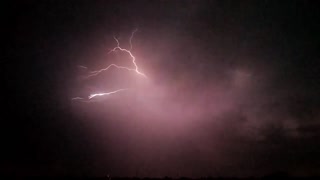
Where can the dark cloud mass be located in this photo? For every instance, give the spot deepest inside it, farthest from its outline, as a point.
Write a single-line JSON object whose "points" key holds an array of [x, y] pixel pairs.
{"points": [[232, 88]]}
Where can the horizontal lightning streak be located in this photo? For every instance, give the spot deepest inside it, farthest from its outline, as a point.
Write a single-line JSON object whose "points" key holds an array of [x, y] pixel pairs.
{"points": [[105, 94], [77, 98], [95, 73], [82, 67]]}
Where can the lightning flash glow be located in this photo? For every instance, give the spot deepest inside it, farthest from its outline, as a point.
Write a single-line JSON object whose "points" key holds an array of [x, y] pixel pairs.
{"points": [[97, 72]]}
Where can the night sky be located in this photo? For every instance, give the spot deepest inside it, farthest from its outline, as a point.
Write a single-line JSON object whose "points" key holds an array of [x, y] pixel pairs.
{"points": [[232, 88]]}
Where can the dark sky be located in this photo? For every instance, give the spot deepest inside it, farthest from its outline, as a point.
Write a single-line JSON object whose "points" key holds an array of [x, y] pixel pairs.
{"points": [[233, 88]]}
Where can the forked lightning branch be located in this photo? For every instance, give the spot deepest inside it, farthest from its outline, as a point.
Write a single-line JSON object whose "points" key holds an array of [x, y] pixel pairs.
{"points": [[98, 72]]}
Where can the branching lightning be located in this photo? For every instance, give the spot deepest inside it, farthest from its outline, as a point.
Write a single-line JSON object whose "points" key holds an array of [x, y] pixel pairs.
{"points": [[118, 48], [97, 72]]}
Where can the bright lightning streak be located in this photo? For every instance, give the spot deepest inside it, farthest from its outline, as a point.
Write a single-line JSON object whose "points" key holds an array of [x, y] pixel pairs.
{"points": [[97, 72], [105, 94]]}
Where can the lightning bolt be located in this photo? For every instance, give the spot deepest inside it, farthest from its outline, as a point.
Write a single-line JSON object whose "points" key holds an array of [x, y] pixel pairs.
{"points": [[105, 94], [118, 48], [97, 72]]}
